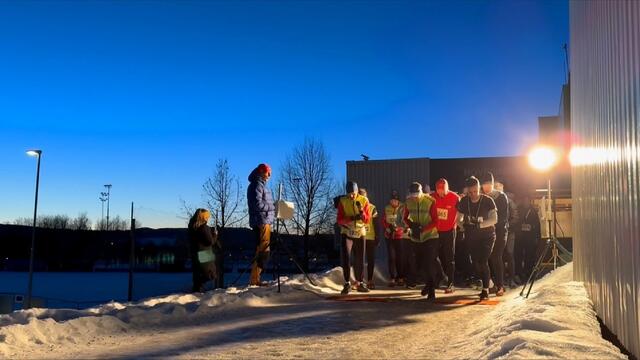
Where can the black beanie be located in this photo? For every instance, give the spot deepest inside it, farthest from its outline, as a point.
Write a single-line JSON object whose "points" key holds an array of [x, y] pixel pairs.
{"points": [[471, 181], [487, 178], [395, 195], [352, 187]]}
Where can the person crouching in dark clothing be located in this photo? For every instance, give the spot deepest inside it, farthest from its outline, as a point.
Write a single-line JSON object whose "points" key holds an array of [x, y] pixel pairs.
{"points": [[204, 246]]}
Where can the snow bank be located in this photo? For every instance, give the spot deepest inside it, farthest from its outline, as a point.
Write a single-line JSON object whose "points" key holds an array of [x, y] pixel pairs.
{"points": [[42, 328], [556, 321]]}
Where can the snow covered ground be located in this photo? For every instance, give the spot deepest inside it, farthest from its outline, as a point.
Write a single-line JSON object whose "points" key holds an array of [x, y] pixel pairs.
{"points": [[557, 321]]}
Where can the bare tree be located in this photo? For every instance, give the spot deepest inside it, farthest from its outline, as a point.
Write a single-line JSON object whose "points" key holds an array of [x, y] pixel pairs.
{"points": [[60, 222], [186, 210], [23, 221], [308, 181], [82, 222], [116, 223], [223, 196]]}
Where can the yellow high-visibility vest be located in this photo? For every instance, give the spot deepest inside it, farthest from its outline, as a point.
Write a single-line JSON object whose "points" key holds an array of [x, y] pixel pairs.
{"points": [[420, 212], [355, 229]]}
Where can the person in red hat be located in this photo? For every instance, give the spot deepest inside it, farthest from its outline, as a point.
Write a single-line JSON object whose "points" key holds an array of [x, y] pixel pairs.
{"points": [[446, 206], [262, 212]]}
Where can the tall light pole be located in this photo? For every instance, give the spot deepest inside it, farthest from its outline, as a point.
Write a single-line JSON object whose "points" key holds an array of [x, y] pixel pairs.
{"points": [[38, 154], [108, 186], [103, 199]]}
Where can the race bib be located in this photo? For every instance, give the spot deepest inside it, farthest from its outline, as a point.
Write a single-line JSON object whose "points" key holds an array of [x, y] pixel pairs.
{"points": [[391, 219], [356, 233], [443, 214], [526, 227]]}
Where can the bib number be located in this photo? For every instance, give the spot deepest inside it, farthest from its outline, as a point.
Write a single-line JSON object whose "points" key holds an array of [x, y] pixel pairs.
{"points": [[443, 214], [356, 233], [526, 227]]}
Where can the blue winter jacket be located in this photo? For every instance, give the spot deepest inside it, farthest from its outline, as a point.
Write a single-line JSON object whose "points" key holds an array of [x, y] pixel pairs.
{"points": [[262, 209]]}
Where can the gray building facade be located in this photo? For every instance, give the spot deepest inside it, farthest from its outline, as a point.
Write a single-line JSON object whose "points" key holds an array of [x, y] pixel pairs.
{"points": [[605, 112]]}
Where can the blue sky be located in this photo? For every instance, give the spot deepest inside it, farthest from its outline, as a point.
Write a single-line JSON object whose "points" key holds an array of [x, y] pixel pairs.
{"points": [[148, 95]]}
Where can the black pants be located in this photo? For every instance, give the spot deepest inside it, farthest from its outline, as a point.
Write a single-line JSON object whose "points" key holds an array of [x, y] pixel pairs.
{"points": [[396, 249], [370, 250], [463, 256], [481, 245], [357, 246], [447, 252], [495, 260], [526, 254], [426, 265], [508, 257]]}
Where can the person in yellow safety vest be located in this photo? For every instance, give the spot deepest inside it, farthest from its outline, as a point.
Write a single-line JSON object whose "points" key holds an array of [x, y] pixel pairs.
{"points": [[353, 215], [421, 217], [372, 241], [394, 234]]}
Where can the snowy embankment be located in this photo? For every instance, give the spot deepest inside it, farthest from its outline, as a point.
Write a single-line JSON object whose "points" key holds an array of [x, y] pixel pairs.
{"points": [[556, 321], [36, 331]]}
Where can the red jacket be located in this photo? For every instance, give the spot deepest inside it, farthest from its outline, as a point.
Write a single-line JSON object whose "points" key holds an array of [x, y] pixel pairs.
{"points": [[447, 210]]}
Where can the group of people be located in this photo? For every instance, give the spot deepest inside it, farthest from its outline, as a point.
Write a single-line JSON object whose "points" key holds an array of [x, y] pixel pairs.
{"points": [[424, 235], [423, 232]]}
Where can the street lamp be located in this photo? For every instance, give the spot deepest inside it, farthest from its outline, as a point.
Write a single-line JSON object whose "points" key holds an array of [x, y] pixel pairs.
{"points": [[38, 154]]}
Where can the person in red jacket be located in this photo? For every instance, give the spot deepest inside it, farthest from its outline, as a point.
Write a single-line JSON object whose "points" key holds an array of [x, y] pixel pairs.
{"points": [[446, 206]]}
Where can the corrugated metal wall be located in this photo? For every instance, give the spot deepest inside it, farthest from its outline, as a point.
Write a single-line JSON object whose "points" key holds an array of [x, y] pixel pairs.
{"points": [[605, 106], [380, 177]]}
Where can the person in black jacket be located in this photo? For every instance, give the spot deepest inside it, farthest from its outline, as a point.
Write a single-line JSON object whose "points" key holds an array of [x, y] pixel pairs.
{"points": [[528, 239], [502, 204], [204, 246]]}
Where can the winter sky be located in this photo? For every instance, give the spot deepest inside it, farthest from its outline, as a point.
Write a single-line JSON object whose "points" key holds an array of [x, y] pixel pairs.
{"points": [[148, 95]]}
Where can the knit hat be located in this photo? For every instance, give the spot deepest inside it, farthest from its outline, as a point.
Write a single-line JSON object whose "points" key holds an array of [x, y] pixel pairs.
{"points": [[487, 178], [471, 181], [395, 195], [352, 187], [264, 168], [442, 183], [415, 188]]}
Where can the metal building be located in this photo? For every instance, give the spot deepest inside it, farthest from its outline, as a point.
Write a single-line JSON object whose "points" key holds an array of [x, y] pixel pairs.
{"points": [[605, 111]]}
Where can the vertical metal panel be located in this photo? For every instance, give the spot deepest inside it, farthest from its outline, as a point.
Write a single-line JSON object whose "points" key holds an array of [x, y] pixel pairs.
{"points": [[605, 112]]}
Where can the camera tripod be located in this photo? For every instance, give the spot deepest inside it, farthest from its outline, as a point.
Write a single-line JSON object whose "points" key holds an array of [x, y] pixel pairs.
{"points": [[558, 252]]}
